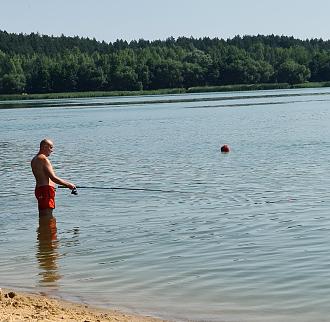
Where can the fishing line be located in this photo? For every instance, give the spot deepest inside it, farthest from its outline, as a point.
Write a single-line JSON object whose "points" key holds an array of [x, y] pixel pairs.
{"points": [[75, 192]]}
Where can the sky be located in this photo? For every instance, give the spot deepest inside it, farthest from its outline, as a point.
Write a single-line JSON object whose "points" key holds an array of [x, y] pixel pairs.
{"points": [[109, 20]]}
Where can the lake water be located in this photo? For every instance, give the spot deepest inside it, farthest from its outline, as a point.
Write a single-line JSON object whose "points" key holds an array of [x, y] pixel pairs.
{"points": [[243, 236]]}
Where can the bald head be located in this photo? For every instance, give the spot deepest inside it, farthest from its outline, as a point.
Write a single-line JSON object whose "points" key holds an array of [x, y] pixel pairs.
{"points": [[46, 143]]}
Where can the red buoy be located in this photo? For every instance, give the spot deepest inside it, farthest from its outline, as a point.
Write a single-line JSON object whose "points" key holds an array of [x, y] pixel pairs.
{"points": [[225, 148]]}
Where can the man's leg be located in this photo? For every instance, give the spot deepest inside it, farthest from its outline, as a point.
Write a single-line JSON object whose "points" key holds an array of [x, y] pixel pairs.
{"points": [[46, 212]]}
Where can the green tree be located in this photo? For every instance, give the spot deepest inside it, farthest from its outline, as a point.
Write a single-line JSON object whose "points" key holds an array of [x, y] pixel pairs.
{"points": [[125, 78], [64, 72], [167, 74], [320, 67], [193, 75], [292, 73], [12, 78], [38, 75]]}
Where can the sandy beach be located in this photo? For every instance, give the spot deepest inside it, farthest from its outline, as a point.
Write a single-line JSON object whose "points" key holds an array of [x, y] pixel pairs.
{"points": [[19, 306]]}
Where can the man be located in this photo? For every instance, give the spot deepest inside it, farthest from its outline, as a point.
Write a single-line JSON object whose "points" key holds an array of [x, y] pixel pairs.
{"points": [[46, 178]]}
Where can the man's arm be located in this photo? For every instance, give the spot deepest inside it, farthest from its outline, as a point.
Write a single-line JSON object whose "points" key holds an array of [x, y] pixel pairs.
{"points": [[51, 174]]}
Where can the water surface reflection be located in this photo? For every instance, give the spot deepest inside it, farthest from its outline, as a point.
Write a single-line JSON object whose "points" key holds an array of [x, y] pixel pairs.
{"points": [[47, 251]]}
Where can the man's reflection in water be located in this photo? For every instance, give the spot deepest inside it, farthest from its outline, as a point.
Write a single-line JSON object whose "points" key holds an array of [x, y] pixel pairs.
{"points": [[47, 251]]}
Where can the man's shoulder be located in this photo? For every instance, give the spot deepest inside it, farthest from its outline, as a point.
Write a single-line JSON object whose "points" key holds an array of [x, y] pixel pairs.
{"points": [[40, 158]]}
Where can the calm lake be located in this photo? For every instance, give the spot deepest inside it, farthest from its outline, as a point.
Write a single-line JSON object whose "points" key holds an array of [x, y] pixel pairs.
{"points": [[243, 236]]}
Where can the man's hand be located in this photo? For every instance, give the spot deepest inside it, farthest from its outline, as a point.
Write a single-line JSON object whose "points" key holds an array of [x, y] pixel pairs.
{"points": [[71, 186]]}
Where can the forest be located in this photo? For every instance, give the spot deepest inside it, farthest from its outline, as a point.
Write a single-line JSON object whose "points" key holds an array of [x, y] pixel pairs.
{"points": [[34, 63]]}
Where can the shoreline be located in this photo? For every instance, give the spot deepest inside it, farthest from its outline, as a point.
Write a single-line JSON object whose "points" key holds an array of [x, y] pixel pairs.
{"points": [[18, 306], [166, 91], [117, 100]]}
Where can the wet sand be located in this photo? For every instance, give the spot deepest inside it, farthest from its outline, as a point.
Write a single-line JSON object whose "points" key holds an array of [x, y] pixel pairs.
{"points": [[19, 306]]}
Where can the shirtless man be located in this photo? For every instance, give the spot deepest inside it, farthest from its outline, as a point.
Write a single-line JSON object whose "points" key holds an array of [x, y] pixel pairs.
{"points": [[46, 178]]}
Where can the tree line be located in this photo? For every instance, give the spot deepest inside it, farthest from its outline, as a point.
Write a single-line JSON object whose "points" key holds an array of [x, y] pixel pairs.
{"points": [[44, 64]]}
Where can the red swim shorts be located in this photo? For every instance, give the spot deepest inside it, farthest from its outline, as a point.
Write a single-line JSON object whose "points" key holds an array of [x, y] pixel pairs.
{"points": [[45, 196]]}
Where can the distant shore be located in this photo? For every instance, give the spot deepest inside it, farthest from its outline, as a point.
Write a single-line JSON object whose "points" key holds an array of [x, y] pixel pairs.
{"points": [[206, 89], [19, 306]]}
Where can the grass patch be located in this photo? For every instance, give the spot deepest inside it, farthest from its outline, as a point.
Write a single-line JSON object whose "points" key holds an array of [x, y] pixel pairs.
{"points": [[26, 96]]}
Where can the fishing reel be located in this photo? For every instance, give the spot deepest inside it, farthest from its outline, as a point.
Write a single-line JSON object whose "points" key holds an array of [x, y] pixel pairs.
{"points": [[74, 191]]}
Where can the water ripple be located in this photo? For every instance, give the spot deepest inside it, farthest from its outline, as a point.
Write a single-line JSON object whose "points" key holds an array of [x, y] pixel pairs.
{"points": [[247, 240]]}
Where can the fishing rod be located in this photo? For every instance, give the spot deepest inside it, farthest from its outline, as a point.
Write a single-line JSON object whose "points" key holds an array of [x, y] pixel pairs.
{"points": [[75, 192]]}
